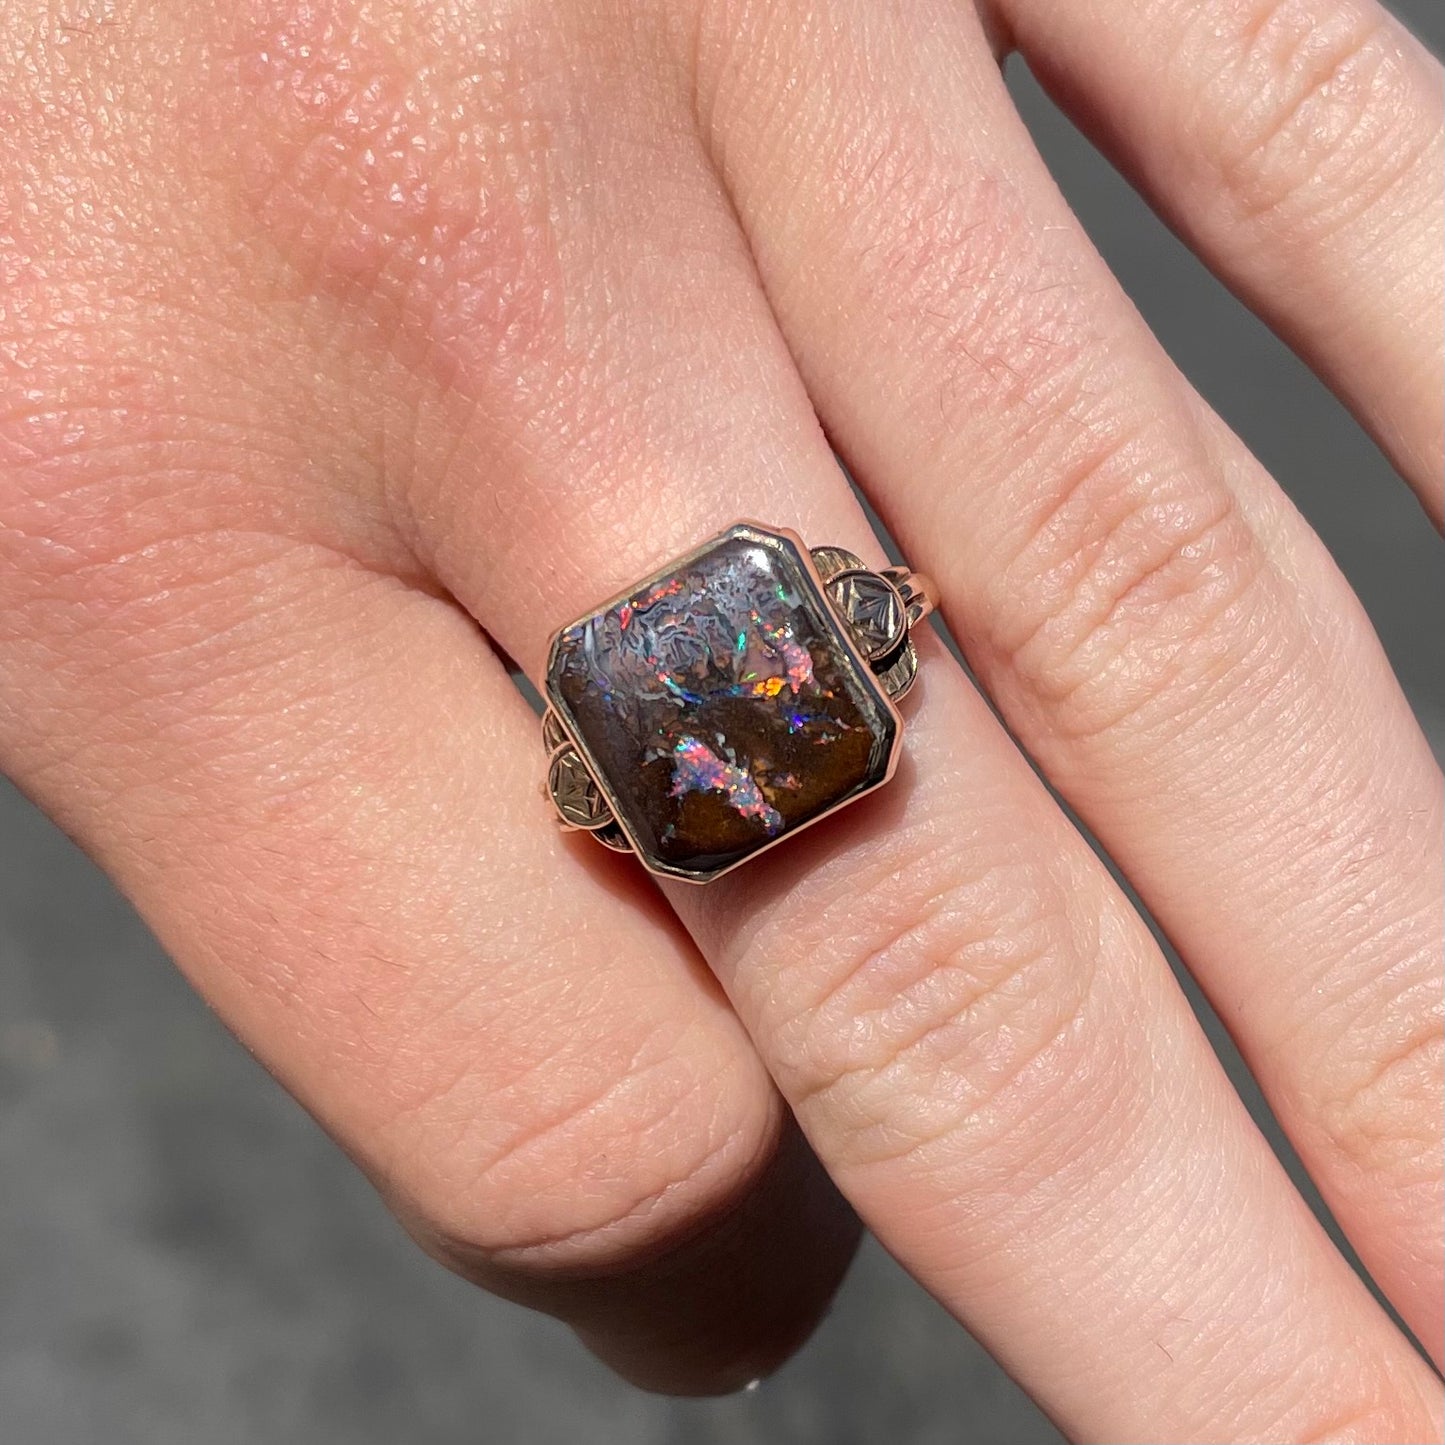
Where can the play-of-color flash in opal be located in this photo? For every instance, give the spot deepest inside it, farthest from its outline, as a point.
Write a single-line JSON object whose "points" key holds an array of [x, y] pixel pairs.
{"points": [[719, 705]]}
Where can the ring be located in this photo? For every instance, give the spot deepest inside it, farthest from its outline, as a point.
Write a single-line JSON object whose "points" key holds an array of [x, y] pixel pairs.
{"points": [[737, 695]]}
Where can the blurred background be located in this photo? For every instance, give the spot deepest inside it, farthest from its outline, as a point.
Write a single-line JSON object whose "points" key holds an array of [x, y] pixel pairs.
{"points": [[186, 1260]]}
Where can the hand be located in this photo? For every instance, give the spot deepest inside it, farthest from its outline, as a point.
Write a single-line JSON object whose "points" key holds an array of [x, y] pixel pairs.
{"points": [[349, 348]]}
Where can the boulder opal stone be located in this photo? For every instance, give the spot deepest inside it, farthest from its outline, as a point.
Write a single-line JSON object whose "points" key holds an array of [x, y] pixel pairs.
{"points": [[720, 706]]}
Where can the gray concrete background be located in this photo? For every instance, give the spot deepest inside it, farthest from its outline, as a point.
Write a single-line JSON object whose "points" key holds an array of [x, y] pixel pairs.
{"points": [[185, 1260]]}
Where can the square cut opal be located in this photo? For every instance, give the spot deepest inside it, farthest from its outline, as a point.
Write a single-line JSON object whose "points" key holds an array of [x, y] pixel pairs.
{"points": [[719, 705]]}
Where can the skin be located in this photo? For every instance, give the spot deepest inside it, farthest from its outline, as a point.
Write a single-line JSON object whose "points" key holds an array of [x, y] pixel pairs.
{"points": [[346, 349]]}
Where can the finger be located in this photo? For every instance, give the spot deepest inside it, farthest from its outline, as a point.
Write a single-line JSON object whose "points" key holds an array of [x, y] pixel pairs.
{"points": [[983, 1042], [565, 1111], [1161, 630], [567, 1115], [1297, 145], [223, 674]]}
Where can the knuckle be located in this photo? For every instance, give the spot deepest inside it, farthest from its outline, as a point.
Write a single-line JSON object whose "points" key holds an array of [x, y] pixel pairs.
{"points": [[600, 1149], [957, 1008], [1127, 588], [1134, 556], [1314, 115], [1380, 1106], [398, 164], [1370, 1026]]}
